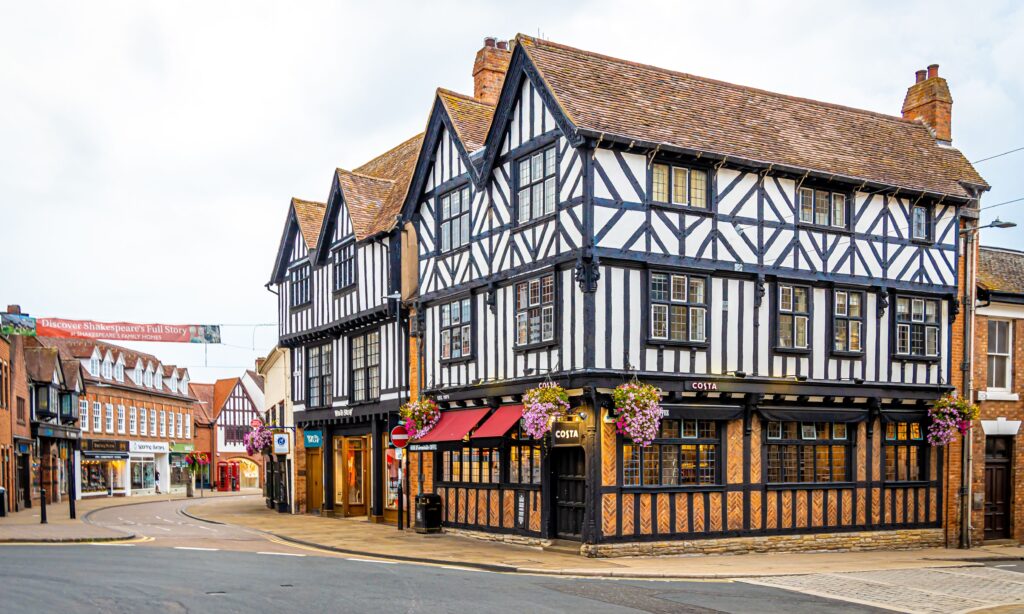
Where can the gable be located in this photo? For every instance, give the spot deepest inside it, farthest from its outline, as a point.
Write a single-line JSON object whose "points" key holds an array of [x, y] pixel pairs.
{"points": [[300, 233]]}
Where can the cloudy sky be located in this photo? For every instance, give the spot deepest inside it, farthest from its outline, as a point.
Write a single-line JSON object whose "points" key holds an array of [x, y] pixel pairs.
{"points": [[148, 150]]}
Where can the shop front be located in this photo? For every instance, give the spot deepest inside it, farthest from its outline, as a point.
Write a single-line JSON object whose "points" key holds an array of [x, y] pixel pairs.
{"points": [[150, 467], [180, 476], [352, 475], [104, 468]]}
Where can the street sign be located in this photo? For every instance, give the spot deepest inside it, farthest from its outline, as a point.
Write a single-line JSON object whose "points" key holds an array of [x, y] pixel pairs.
{"points": [[256, 423], [282, 443], [399, 436]]}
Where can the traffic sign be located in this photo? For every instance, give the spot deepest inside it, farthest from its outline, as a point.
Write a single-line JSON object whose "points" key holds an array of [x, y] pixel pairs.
{"points": [[256, 423], [399, 436]]}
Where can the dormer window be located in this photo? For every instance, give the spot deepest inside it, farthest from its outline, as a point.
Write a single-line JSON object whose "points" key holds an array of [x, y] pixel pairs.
{"points": [[172, 385], [119, 373], [343, 266], [108, 369], [149, 378], [453, 221], [535, 184], [94, 367], [299, 279], [159, 381]]}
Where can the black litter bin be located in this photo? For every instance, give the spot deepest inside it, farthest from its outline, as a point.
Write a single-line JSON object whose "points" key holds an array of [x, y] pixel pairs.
{"points": [[3, 501], [428, 513]]}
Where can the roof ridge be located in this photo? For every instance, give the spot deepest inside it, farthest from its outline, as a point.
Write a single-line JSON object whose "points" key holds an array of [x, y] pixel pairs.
{"points": [[390, 151], [541, 43], [296, 199], [997, 248], [466, 97]]}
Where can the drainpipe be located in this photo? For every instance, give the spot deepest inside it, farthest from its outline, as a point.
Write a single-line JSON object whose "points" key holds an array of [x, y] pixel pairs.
{"points": [[970, 264]]}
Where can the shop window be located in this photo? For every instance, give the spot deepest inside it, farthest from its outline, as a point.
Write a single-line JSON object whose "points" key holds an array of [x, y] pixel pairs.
{"points": [[905, 452], [685, 453], [471, 465], [807, 452], [524, 458]]}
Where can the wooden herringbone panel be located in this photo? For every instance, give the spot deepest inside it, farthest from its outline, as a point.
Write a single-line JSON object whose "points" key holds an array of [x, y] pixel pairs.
{"points": [[817, 508], [787, 509], [471, 499], [535, 511], [876, 505], [508, 509], [833, 507], [734, 433], [755, 510], [697, 501], [608, 461], [628, 500], [878, 468], [848, 507], [922, 513], [862, 451], [801, 508], [664, 515], [682, 518], [715, 502], [608, 515], [932, 513], [735, 506], [755, 449], [493, 513], [645, 514], [901, 504], [771, 517], [449, 505]]}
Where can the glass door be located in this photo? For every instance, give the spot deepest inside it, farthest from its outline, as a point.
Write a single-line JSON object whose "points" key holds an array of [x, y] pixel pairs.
{"points": [[355, 494]]}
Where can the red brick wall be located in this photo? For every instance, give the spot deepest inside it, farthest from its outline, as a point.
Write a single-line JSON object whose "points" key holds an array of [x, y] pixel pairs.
{"points": [[6, 427], [953, 451], [990, 410]]}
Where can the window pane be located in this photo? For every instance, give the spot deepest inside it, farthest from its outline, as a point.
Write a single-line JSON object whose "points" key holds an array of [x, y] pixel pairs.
{"points": [[679, 288], [659, 287], [547, 292], [678, 323], [839, 210], [800, 300], [549, 161], [698, 189], [524, 205], [785, 331], [697, 290], [630, 465], [688, 465], [524, 172], [855, 343], [446, 236], [669, 465], [679, 187], [800, 340], [697, 332], [467, 345], [538, 200], [840, 303], [651, 472], [841, 338], [446, 209], [534, 292], [445, 344], [659, 183], [455, 204], [931, 341], [548, 323], [537, 170], [465, 229], [786, 298], [854, 304], [522, 295], [549, 195], [659, 321], [465, 310], [821, 207], [670, 429], [456, 313], [521, 328]]}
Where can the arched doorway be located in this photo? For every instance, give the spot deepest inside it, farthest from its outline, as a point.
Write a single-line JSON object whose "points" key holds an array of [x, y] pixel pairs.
{"points": [[248, 472]]}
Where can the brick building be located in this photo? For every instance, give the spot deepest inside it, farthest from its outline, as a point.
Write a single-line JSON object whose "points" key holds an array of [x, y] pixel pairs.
{"points": [[17, 426], [202, 437], [135, 418]]}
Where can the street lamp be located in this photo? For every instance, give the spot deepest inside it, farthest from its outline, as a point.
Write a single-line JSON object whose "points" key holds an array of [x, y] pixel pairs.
{"points": [[996, 223]]}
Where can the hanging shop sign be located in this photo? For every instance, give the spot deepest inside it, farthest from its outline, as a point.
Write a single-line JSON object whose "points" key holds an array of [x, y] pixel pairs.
{"points": [[567, 433], [313, 439], [127, 331], [17, 324], [282, 442]]}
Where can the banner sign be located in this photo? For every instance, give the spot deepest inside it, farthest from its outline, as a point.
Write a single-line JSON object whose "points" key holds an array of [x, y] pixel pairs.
{"points": [[16, 324], [127, 331]]}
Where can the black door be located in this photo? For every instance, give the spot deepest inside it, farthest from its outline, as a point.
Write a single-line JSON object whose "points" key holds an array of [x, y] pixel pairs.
{"points": [[24, 481], [997, 487], [570, 488]]}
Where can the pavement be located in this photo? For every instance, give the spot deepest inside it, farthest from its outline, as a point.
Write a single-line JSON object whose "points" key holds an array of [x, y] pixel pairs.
{"points": [[24, 525], [362, 538]]}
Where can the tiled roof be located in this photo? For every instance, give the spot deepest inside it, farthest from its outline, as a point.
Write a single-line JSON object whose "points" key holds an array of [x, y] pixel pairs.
{"points": [[72, 372], [310, 215], [470, 117], [221, 391], [396, 165], [40, 363], [1001, 270], [365, 197], [616, 98], [82, 349], [204, 408], [256, 377]]}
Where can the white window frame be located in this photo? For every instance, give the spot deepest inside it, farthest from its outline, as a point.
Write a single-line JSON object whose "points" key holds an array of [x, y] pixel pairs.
{"points": [[83, 414], [547, 185], [97, 417], [109, 409], [143, 421], [181, 427], [1008, 355], [920, 230], [787, 307], [152, 422], [163, 423], [170, 423], [830, 214], [120, 419], [133, 420], [188, 426], [695, 311]]}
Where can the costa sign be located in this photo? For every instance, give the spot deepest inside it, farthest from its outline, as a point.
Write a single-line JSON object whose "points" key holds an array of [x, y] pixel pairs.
{"points": [[567, 433], [702, 386]]}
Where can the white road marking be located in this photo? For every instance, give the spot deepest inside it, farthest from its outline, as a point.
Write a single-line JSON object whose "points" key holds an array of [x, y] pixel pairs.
{"points": [[371, 561], [282, 553], [196, 548], [1005, 565], [456, 568]]}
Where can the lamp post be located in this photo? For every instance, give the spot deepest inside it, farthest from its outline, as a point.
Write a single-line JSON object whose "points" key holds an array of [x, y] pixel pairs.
{"points": [[966, 452]]}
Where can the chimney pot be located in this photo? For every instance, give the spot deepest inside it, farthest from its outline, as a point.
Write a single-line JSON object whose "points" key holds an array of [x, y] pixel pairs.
{"points": [[503, 45], [920, 76], [933, 71], [14, 309], [929, 101], [490, 41]]}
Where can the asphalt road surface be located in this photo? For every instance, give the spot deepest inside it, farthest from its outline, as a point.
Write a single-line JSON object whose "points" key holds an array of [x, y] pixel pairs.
{"points": [[183, 565]]}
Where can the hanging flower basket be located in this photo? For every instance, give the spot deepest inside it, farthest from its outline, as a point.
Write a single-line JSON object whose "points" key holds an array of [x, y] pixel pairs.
{"points": [[950, 415], [196, 460], [420, 416], [258, 440], [541, 405], [638, 411]]}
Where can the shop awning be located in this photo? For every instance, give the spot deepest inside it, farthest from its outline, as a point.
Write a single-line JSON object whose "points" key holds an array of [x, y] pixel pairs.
{"points": [[500, 422], [453, 425], [813, 414], [682, 411], [905, 415]]}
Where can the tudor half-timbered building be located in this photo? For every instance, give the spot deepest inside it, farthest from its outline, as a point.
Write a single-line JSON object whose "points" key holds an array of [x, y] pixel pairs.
{"points": [[337, 279], [783, 269]]}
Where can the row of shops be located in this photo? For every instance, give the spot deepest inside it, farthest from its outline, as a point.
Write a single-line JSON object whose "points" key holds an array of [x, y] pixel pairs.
{"points": [[111, 467]]}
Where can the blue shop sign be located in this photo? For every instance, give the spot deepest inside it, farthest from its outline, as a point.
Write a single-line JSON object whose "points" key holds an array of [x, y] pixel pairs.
{"points": [[313, 439]]}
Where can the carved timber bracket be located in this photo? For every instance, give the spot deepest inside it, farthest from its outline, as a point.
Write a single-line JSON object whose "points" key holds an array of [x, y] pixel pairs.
{"points": [[954, 309], [758, 292], [588, 272], [883, 301], [492, 298]]}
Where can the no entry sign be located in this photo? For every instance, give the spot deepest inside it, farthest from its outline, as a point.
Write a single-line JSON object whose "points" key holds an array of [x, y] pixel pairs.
{"points": [[399, 436], [256, 423]]}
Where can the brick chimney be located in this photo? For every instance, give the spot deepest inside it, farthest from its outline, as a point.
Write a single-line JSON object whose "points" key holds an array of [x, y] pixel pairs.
{"points": [[14, 309], [928, 100], [489, 70]]}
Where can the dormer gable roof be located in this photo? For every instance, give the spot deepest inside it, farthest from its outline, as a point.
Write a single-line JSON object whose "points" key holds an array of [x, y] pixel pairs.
{"points": [[305, 218], [611, 100]]}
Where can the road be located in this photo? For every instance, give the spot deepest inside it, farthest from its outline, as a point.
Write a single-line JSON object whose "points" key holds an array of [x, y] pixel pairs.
{"points": [[182, 565]]}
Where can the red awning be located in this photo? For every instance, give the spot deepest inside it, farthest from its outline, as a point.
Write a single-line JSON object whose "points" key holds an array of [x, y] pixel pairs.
{"points": [[453, 425], [500, 422]]}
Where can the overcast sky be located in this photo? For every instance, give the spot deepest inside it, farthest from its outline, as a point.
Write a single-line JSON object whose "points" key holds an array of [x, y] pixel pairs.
{"points": [[148, 150]]}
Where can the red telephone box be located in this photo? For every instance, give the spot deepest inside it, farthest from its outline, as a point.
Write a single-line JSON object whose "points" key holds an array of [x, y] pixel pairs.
{"points": [[223, 477], [235, 476]]}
